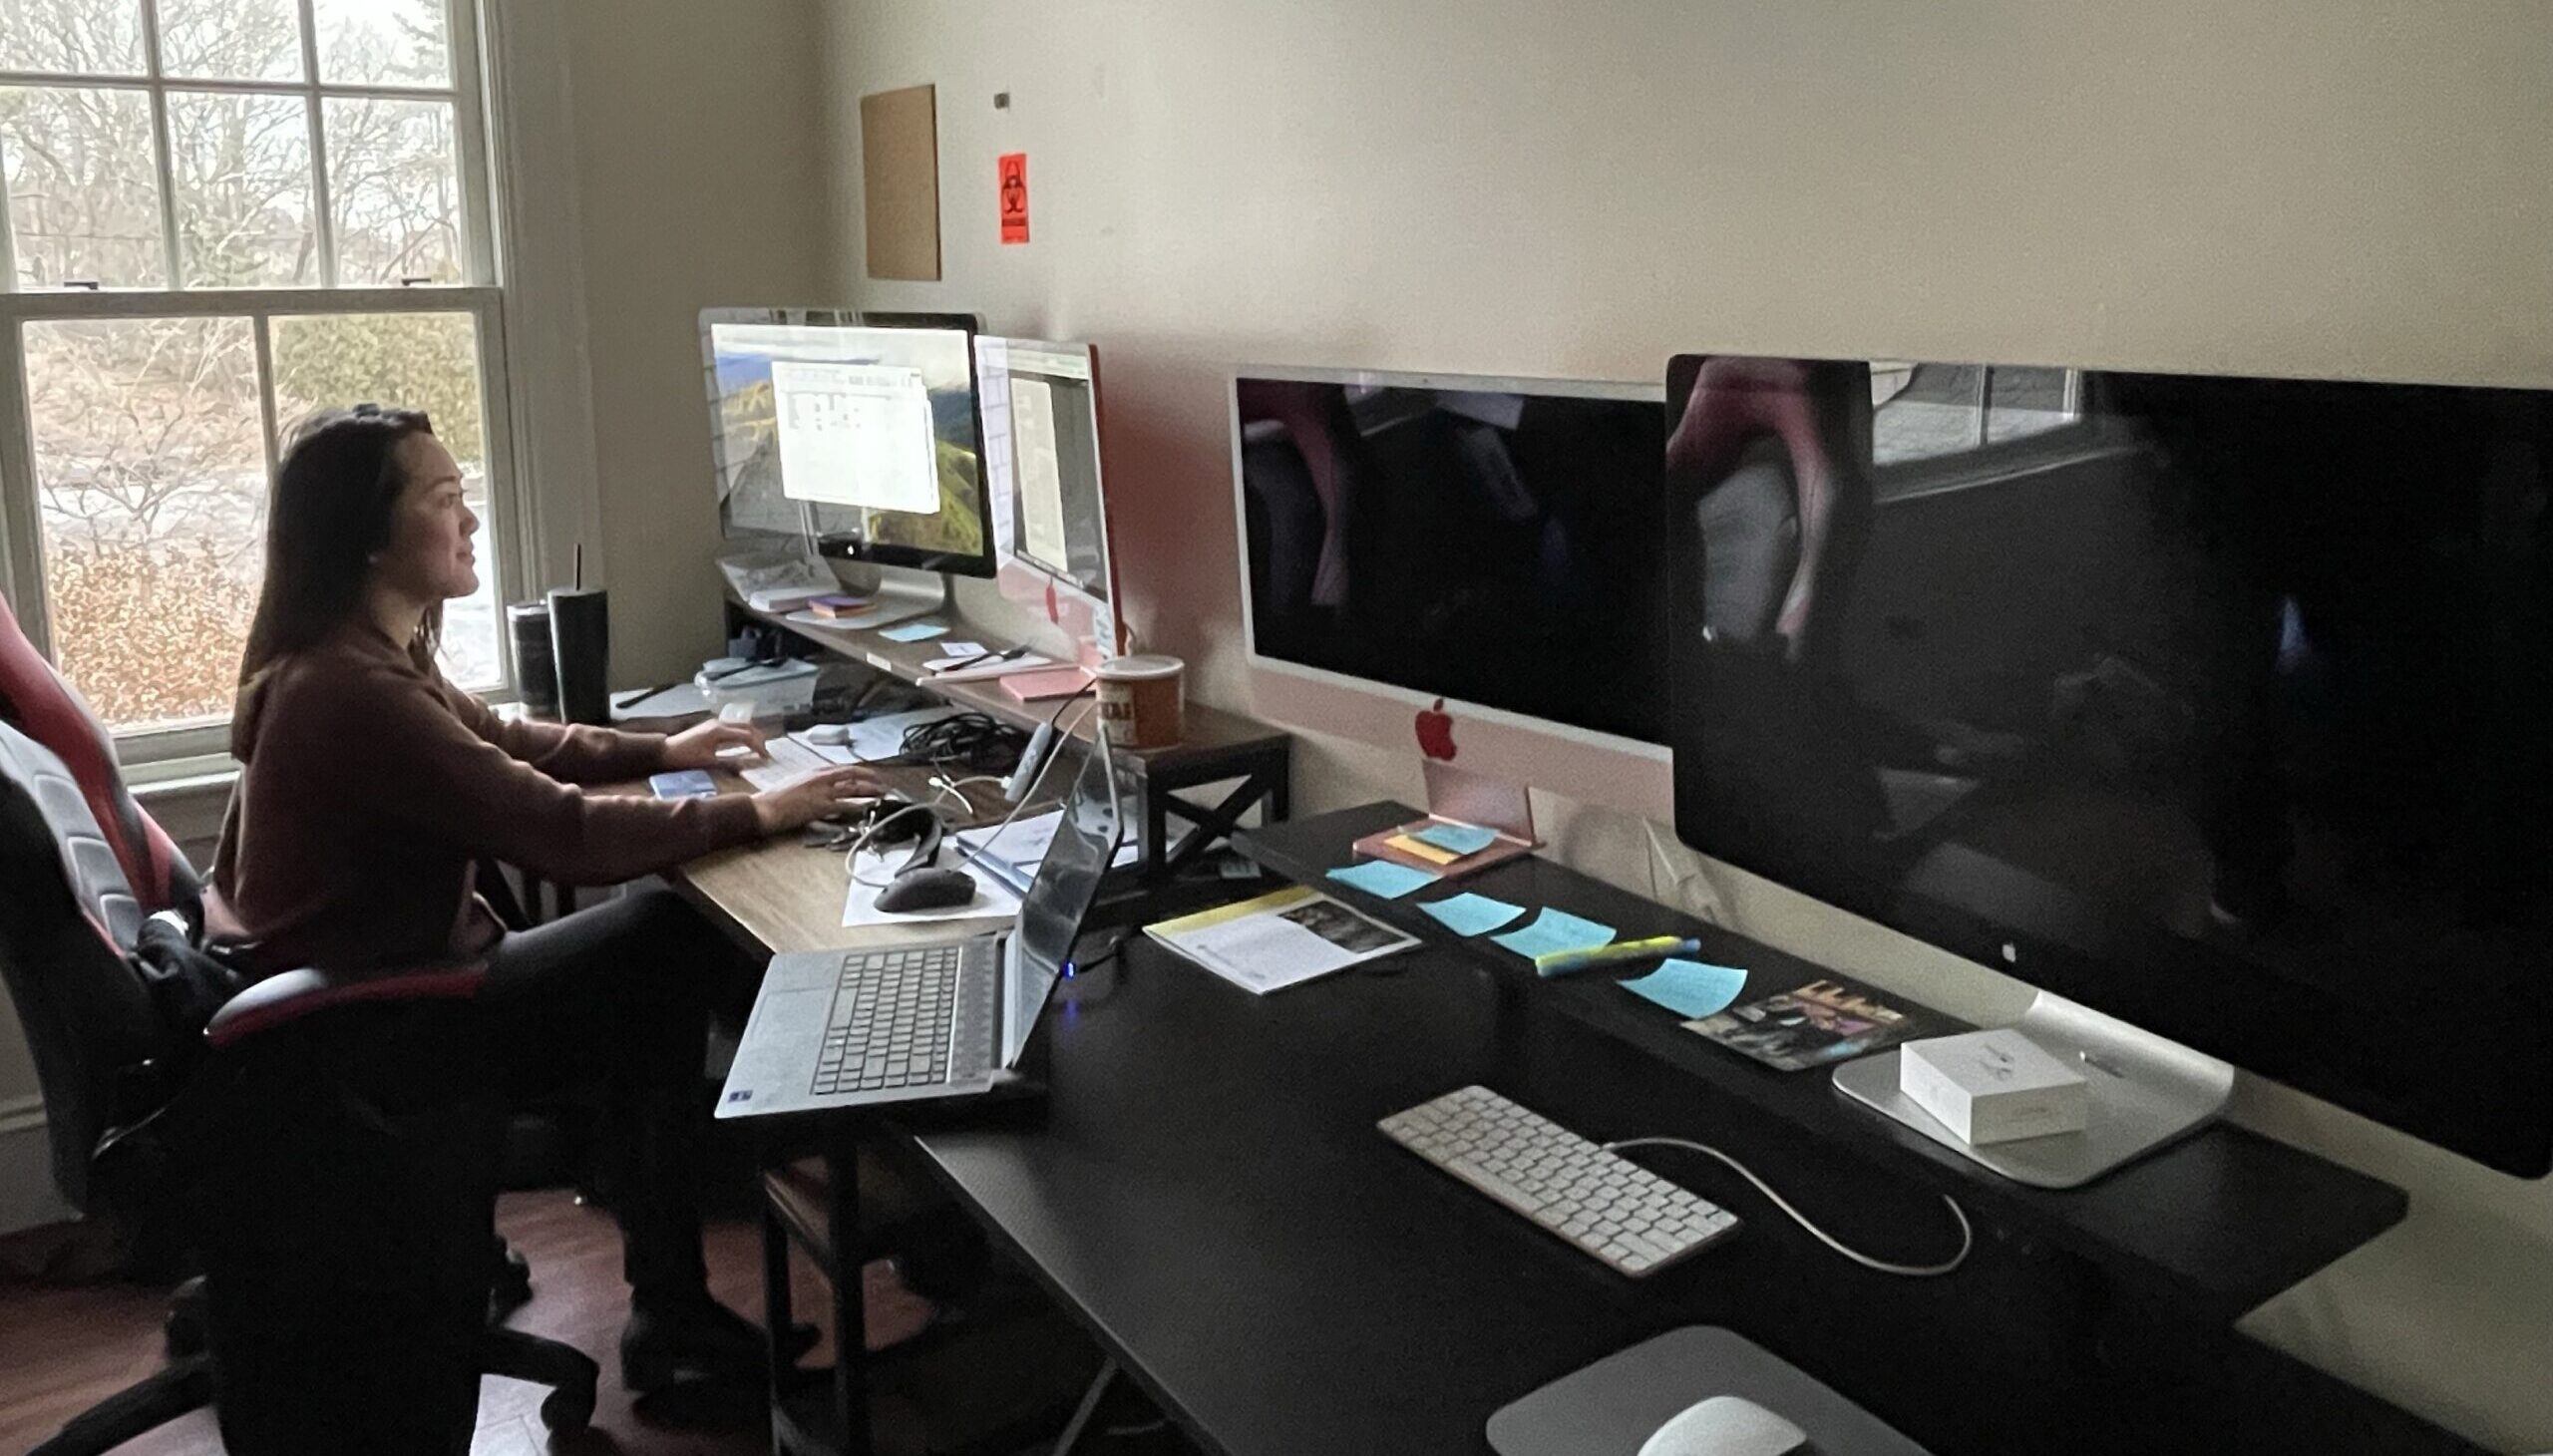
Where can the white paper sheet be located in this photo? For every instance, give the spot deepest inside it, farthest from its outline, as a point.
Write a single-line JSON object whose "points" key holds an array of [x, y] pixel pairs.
{"points": [[790, 760], [1280, 940]]}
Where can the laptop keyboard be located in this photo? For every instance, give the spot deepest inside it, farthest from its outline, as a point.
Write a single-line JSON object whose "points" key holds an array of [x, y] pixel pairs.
{"points": [[891, 1020]]}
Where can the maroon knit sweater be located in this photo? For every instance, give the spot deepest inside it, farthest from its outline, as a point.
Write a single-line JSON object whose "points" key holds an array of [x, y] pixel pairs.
{"points": [[370, 787]]}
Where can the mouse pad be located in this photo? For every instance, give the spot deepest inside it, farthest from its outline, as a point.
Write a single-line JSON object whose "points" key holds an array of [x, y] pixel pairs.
{"points": [[1612, 1406]]}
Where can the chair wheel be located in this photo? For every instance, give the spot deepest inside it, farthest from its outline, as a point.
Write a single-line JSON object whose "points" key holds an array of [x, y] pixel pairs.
{"points": [[568, 1411]]}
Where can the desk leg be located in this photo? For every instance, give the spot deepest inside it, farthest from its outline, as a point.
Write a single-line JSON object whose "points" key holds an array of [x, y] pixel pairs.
{"points": [[777, 1316], [851, 1315]]}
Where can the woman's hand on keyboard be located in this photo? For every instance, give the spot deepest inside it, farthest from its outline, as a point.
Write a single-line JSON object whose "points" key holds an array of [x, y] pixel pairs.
{"points": [[812, 798]]}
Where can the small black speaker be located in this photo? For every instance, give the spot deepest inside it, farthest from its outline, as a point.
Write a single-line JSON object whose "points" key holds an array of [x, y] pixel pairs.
{"points": [[535, 669], [581, 641]]}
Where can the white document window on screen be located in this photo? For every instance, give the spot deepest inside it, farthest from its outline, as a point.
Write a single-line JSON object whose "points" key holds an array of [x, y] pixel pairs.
{"points": [[1039, 473], [992, 393], [855, 435]]}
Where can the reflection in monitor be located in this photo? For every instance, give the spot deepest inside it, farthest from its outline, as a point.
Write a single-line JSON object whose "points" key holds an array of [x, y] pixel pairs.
{"points": [[1461, 567], [2222, 706], [1041, 436], [861, 440]]}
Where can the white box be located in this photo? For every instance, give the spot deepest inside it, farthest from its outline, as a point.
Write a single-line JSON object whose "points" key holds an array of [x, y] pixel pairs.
{"points": [[1994, 1086]]}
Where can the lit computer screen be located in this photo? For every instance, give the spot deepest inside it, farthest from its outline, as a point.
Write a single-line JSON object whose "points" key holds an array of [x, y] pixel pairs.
{"points": [[1041, 435], [863, 440]]}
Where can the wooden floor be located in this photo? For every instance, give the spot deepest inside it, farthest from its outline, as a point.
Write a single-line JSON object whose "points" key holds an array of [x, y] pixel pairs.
{"points": [[64, 1349]]}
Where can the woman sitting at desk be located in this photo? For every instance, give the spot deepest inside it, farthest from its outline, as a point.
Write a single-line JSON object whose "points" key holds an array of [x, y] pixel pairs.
{"points": [[370, 787]]}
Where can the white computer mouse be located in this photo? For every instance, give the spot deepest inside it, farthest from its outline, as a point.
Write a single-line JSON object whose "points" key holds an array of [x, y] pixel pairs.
{"points": [[829, 735], [1725, 1425]]}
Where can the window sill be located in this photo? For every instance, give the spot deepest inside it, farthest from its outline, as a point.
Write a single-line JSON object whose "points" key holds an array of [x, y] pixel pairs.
{"points": [[170, 778]]}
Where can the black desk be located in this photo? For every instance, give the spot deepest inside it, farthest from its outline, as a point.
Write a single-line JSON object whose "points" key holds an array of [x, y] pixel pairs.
{"points": [[1206, 1191], [2209, 1228]]}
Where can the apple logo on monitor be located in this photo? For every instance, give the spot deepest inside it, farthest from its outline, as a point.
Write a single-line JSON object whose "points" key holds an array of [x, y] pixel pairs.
{"points": [[1436, 733]]}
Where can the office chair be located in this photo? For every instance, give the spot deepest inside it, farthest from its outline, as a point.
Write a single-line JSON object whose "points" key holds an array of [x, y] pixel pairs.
{"points": [[117, 1051]]}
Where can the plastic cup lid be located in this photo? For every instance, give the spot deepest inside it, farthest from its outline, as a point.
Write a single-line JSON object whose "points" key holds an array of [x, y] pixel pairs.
{"points": [[1137, 669]]}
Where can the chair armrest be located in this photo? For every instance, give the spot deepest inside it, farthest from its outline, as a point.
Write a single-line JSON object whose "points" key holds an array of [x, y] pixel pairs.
{"points": [[291, 995]]}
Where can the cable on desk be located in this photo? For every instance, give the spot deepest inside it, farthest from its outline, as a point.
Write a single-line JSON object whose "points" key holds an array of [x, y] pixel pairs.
{"points": [[851, 856], [969, 740], [1053, 757], [1967, 1235]]}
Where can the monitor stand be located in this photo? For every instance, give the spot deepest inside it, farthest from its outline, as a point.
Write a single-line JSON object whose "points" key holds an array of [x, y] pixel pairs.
{"points": [[895, 595], [2148, 1093]]}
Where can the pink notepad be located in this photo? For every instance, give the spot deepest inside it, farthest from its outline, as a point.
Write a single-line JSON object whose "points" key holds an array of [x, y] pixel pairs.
{"points": [[1055, 682]]}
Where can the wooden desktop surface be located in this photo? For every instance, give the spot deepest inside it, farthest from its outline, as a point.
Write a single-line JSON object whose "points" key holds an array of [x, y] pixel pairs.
{"points": [[781, 894]]}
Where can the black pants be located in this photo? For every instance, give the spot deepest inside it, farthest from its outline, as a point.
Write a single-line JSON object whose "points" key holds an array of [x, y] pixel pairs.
{"points": [[617, 998]]}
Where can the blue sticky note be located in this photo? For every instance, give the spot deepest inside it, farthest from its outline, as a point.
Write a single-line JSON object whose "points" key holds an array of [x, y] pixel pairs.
{"points": [[683, 783], [1555, 930], [1689, 989], [914, 633], [1472, 914], [1458, 838], [1383, 878]]}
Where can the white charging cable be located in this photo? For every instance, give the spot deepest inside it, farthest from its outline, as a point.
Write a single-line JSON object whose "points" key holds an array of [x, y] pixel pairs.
{"points": [[1029, 796], [1967, 1235]]}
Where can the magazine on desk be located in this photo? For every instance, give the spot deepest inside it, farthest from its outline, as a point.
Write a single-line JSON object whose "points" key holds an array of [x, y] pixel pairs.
{"points": [[1278, 940], [1812, 1025]]}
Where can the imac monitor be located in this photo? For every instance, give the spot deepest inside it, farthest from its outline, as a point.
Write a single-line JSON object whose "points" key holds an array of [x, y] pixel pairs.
{"points": [[861, 438], [1041, 436], [2222, 706], [1461, 567]]}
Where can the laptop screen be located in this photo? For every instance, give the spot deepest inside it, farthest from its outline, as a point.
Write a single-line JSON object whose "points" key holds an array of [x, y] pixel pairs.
{"points": [[1067, 882]]}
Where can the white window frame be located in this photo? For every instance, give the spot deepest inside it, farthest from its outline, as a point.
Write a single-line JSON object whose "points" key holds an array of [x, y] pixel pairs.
{"points": [[490, 298]]}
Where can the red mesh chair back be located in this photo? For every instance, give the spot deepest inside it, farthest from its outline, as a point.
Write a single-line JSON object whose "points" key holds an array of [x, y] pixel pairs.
{"points": [[36, 700]]}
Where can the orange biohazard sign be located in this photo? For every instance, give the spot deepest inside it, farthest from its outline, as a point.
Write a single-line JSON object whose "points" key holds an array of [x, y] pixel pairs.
{"points": [[1015, 196]]}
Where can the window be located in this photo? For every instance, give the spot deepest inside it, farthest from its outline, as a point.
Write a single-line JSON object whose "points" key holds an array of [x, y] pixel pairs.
{"points": [[1937, 411], [220, 215]]}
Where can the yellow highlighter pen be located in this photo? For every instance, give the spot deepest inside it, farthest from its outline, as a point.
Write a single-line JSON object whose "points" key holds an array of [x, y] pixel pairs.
{"points": [[1562, 963]]}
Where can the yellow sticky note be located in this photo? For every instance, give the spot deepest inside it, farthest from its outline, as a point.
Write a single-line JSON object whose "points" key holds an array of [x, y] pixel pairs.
{"points": [[1427, 852]]}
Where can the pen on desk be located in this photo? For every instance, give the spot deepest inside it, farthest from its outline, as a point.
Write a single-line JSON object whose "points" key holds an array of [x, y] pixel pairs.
{"points": [[1562, 963], [981, 658], [632, 700]]}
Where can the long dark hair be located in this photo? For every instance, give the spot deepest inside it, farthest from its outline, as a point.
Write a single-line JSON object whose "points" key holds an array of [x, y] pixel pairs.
{"points": [[335, 500]]}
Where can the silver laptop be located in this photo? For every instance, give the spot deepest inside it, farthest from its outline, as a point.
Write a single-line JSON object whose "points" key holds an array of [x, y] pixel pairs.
{"points": [[861, 1028]]}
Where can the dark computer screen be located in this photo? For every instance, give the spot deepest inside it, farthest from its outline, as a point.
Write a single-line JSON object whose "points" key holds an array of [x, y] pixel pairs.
{"points": [[2224, 706], [863, 440], [1492, 542]]}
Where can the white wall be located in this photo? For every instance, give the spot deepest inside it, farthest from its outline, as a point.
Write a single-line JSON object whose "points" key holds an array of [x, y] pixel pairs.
{"points": [[1514, 186], [698, 184]]}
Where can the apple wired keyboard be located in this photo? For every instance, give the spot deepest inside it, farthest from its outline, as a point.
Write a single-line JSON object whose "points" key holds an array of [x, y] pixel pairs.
{"points": [[1634, 1220]]}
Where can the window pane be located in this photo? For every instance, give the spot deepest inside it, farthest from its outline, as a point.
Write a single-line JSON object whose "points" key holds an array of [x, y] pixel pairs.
{"points": [[394, 190], [383, 42], [82, 36], [2026, 402], [417, 361], [151, 486], [243, 173], [84, 189], [230, 40], [1933, 415]]}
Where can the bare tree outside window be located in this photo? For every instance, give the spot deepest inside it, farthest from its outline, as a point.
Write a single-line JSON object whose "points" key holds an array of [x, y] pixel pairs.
{"points": [[298, 246]]}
